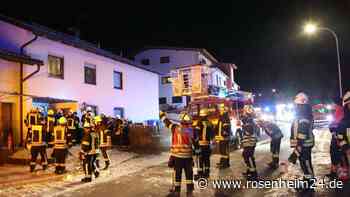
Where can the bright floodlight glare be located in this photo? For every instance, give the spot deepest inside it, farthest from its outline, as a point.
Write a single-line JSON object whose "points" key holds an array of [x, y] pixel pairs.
{"points": [[329, 107], [290, 106], [310, 28], [267, 109], [329, 118]]}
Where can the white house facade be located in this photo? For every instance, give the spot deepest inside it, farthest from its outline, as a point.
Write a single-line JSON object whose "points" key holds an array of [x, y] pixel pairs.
{"points": [[74, 74], [164, 59]]}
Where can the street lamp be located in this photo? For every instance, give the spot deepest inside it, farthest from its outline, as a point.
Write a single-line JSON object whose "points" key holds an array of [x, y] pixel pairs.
{"points": [[310, 29]]}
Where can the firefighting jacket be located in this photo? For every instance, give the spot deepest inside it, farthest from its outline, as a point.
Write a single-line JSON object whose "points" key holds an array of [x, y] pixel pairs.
{"points": [[301, 133], [104, 135], [36, 136], [50, 125], [90, 143], [204, 130], [223, 128], [33, 118], [88, 117], [72, 122], [273, 131], [343, 134], [249, 138], [181, 139], [60, 137]]}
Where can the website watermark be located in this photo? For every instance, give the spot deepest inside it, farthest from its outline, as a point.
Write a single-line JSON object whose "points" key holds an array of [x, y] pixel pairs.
{"points": [[204, 183]]}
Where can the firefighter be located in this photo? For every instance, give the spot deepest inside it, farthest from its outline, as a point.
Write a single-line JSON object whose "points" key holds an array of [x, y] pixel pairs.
{"points": [[89, 152], [205, 132], [302, 137], [335, 151], [105, 138], [36, 141], [125, 143], [181, 151], [60, 148], [33, 118], [118, 130], [88, 116], [72, 128], [275, 133], [50, 124], [223, 137], [343, 136], [248, 143]]}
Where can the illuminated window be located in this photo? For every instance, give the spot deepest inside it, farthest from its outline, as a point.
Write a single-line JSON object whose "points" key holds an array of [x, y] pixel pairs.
{"points": [[177, 99], [118, 80], [165, 59], [118, 111], [90, 74], [56, 66], [166, 80]]}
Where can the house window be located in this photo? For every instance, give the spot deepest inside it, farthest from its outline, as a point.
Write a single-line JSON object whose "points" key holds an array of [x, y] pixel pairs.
{"points": [[162, 100], [145, 61], [177, 99], [118, 80], [90, 74], [164, 59], [93, 107], [166, 80], [118, 111], [56, 66]]}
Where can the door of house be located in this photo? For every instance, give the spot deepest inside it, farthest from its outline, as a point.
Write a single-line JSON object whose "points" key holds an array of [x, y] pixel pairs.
{"points": [[5, 122]]}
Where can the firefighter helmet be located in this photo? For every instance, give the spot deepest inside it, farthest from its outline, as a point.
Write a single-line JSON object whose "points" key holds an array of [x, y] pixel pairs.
{"points": [[97, 119], [185, 118], [50, 112], [248, 109], [203, 112], [62, 121], [346, 98], [88, 109], [301, 98]]}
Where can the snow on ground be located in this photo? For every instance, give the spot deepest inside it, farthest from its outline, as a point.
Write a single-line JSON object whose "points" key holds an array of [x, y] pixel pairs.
{"points": [[320, 161], [123, 163]]}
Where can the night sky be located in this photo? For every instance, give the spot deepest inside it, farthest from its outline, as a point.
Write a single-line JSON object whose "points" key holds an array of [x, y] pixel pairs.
{"points": [[263, 38]]}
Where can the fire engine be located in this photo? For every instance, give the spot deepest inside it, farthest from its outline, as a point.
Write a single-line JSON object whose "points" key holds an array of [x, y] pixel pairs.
{"points": [[196, 81]]}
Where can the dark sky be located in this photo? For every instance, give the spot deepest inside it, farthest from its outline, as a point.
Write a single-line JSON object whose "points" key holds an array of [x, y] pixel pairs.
{"points": [[263, 38]]}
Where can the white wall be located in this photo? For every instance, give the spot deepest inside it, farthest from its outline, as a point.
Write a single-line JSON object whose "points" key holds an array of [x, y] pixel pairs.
{"points": [[139, 96], [177, 58]]}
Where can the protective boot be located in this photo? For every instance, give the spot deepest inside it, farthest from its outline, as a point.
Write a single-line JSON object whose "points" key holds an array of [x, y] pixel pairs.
{"points": [[32, 168], [107, 165], [86, 179]]}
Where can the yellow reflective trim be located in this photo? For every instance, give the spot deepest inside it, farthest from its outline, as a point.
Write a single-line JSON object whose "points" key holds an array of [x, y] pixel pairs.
{"points": [[85, 143]]}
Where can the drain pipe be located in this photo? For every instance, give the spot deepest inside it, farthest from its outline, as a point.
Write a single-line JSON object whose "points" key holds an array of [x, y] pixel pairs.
{"points": [[21, 120]]}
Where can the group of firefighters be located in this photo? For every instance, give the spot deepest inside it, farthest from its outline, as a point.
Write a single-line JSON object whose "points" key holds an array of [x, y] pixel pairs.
{"points": [[61, 131], [191, 140]]}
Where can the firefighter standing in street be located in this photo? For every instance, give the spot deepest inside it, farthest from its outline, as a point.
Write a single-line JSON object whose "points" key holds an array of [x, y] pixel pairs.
{"points": [[334, 149], [105, 138], [89, 152], [302, 137], [60, 148], [205, 132], [181, 151], [275, 133], [249, 142], [72, 128], [50, 124], [343, 136], [36, 139], [223, 137]]}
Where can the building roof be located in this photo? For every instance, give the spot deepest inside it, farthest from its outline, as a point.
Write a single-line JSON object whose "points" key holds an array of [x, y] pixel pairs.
{"points": [[15, 57], [70, 40], [201, 50]]}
